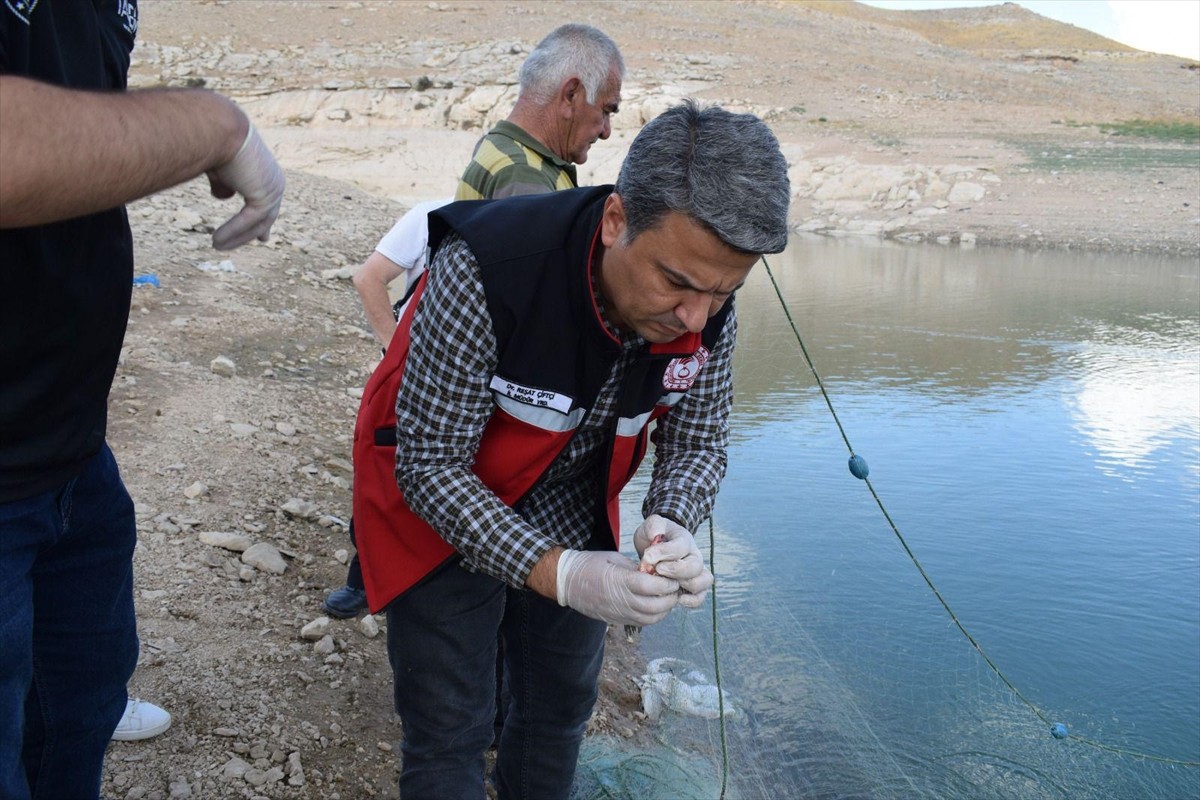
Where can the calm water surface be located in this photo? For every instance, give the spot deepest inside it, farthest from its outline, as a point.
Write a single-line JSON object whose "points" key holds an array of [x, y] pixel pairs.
{"points": [[1032, 425]]}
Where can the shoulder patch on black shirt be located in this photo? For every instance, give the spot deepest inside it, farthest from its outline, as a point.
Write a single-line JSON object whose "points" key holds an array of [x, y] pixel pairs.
{"points": [[22, 8]]}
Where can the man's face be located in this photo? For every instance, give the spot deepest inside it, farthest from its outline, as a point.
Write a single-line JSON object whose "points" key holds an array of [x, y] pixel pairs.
{"points": [[670, 279], [590, 121]]}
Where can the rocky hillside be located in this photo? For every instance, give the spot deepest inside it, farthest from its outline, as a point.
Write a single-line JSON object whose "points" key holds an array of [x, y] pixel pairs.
{"points": [[882, 113]]}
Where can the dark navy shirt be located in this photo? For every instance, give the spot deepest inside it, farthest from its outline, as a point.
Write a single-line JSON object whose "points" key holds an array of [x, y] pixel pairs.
{"points": [[64, 287]]}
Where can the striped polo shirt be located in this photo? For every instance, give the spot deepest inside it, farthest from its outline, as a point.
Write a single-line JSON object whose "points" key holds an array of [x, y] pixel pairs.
{"points": [[508, 161]]}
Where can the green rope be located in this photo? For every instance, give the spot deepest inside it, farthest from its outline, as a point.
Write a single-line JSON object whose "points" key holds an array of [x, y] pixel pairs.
{"points": [[928, 581], [712, 560]]}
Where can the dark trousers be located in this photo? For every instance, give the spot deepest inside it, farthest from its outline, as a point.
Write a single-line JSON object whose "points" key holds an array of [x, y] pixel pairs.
{"points": [[442, 639], [68, 640]]}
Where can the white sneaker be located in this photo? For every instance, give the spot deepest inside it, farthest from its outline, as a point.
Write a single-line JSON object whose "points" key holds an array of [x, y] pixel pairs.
{"points": [[141, 721]]}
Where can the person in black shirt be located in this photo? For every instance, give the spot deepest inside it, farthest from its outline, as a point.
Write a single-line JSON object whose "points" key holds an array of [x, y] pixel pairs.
{"points": [[74, 148]]}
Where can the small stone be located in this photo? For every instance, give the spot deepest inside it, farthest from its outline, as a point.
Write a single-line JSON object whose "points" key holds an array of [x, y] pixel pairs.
{"points": [[235, 768], [285, 428], [368, 626], [265, 557], [294, 770], [223, 366], [325, 646], [301, 509], [227, 540], [316, 629], [197, 489], [342, 556]]}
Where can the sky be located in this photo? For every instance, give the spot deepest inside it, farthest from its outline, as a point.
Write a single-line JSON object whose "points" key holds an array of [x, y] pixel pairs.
{"points": [[1160, 26]]}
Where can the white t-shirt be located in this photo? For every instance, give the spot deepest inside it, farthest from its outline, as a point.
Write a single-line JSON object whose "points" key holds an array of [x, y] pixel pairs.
{"points": [[407, 243]]}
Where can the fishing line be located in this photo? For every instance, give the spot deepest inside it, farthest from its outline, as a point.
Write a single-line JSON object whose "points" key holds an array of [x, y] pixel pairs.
{"points": [[859, 469]]}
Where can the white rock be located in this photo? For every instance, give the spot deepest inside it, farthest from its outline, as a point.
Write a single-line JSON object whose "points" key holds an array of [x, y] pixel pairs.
{"points": [[186, 219], [294, 769], [325, 646], [285, 428], [316, 629], [223, 366], [228, 540], [234, 768], [966, 192], [368, 626], [195, 490], [265, 557], [342, 556], [243, 429], [301, 509]]}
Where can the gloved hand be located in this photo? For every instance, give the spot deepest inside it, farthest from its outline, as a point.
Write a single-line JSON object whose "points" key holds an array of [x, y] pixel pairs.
{"points": [[608, 586], [670, 549], [254, 175]]}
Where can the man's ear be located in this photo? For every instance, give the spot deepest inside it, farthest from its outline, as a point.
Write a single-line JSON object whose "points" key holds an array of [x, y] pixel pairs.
{"points": [[612, 222], [570, 90]]}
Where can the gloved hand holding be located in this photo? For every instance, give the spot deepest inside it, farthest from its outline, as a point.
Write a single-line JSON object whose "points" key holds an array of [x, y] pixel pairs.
{"points": [[670, 550], [254, 175], [608, 586]]}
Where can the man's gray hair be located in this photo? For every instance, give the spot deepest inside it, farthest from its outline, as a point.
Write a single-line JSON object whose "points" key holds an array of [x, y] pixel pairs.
{"points": [[723, 170], [570, 51]]}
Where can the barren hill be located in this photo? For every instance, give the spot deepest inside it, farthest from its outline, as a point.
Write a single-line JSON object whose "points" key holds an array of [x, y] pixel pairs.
{"points": [[1004, 26]]}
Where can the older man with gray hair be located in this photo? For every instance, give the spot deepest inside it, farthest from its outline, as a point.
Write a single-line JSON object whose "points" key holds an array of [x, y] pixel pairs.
{"points": [[549, 336], [570, 87]]}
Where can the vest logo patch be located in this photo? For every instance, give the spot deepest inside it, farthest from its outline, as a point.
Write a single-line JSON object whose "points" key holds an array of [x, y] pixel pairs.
{"points": [[682, 372], [542, 398]]}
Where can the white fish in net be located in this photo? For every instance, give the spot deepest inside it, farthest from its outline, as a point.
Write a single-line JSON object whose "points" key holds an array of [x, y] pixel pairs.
{"points": [[675, 684]]}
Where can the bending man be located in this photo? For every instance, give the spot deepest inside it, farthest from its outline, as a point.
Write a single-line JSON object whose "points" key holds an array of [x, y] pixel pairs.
{"points": [[550, 334]]}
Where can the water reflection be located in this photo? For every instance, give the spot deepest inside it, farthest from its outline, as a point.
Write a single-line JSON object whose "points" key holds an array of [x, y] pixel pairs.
{"points": [[1032, 420], [1138, 391]]}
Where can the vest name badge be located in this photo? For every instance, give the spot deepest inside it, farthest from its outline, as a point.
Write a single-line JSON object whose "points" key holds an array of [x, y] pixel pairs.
{"points": [[543, 398], [681, 373]]}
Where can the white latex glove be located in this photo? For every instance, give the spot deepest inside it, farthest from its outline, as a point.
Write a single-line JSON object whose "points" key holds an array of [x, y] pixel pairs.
{"points": [[608, 586], [254, 175], [669, 549]]}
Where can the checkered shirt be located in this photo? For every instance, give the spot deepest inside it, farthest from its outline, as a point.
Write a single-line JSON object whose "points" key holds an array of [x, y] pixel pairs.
{"points": [[445, 402]]}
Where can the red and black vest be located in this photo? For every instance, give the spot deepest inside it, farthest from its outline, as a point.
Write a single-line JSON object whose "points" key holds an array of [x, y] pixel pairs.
{"points": [[554, 355]]}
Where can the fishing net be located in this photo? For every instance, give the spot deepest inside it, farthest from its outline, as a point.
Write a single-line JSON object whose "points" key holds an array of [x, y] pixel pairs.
{"points": [[846, 670]]}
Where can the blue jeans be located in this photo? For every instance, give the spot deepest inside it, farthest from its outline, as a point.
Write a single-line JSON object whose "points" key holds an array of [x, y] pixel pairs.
{"points": [[442, 645], [68, 640]]}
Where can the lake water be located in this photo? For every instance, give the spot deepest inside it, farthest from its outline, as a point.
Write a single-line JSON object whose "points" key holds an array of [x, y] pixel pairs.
{"points": [[1032, 425]]}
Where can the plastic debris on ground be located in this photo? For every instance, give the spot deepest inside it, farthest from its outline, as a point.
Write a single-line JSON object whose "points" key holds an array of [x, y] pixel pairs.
{"points": [[670, 683]]}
